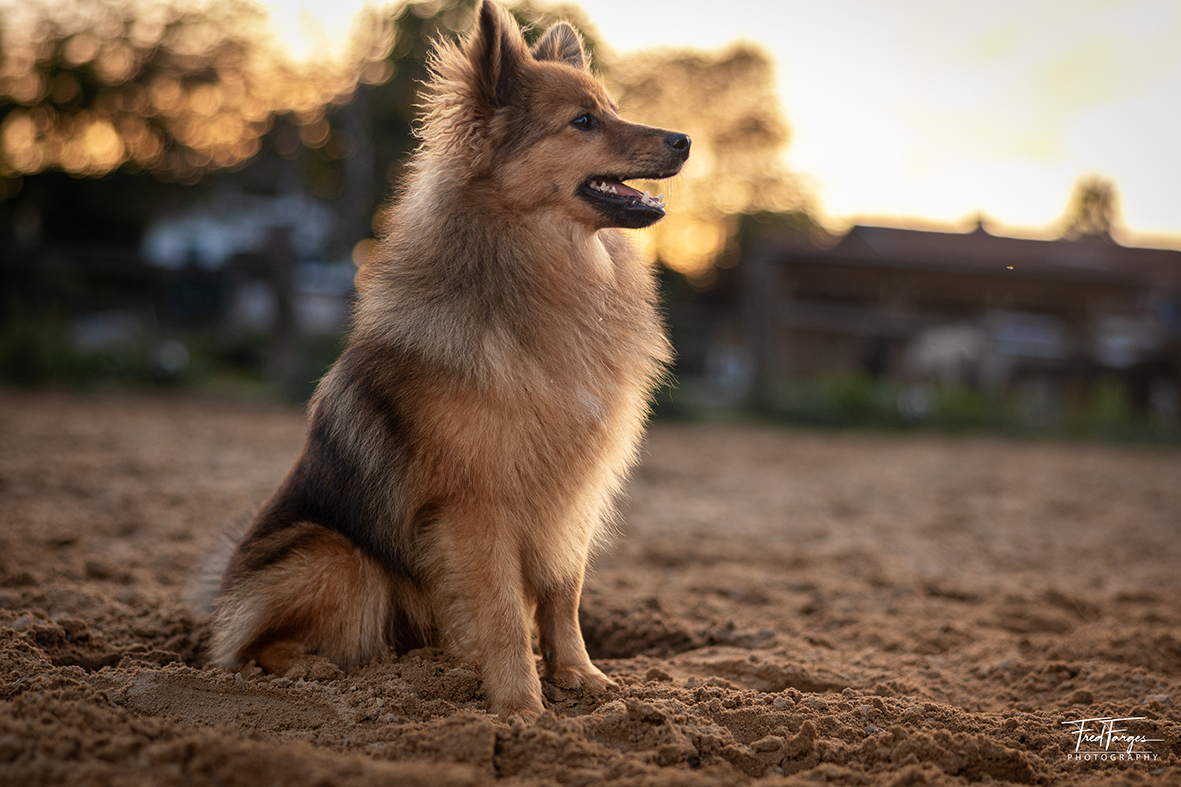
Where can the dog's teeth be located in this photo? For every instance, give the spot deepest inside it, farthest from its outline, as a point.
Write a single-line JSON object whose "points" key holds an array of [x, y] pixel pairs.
{"points": [[652, 202]]}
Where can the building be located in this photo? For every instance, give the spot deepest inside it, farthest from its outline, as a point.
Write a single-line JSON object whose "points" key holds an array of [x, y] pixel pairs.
{"points": [[970, 308]]}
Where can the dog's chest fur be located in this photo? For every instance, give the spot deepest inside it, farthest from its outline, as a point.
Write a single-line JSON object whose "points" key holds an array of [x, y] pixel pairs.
{"points": [[526, 385]]}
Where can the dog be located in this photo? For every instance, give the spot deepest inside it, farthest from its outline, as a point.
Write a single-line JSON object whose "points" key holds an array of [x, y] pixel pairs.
{"points": [[464, 453]]}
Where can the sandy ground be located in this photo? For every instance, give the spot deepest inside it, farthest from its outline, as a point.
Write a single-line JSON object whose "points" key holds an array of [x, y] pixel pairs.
{"points": [[782, 607]]}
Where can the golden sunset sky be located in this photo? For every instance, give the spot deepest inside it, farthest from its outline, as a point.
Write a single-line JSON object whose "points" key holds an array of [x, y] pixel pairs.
{"points": [[936, 111]]}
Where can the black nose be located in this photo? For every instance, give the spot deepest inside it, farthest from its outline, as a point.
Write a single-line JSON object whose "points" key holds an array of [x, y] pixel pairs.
{"points": [[679, 142]]}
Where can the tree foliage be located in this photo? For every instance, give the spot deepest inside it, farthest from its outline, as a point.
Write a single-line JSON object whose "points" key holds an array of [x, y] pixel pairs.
{"points": [[175, 88], [1093, 210]]}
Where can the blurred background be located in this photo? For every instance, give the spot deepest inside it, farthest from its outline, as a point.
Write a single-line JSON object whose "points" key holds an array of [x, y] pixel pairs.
{"points": [[931, 217]]}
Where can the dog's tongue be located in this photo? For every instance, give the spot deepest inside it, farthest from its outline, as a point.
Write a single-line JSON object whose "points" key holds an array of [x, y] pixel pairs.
{"points": [[624, 189]]}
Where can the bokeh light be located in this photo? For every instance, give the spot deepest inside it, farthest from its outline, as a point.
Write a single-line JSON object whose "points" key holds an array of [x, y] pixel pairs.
{"points": [[174, 88]]}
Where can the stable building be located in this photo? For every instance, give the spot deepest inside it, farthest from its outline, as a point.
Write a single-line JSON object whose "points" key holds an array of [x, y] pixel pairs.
{"points": [[971, 308]]}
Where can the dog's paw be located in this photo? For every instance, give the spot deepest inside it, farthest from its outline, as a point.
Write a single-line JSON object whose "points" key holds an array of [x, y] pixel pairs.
{"points": [[310, 667], [526, 711], [587, 679]]}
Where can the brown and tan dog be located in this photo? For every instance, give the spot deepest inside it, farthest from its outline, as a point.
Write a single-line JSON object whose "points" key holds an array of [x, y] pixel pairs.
{"points": [[464, 453]]}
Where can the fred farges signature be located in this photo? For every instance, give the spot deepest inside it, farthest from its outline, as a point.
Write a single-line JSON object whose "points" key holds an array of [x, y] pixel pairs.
{"points": [[1105, 738]]}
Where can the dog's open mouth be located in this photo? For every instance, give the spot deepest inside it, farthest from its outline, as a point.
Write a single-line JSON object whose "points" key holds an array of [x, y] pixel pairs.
{"points": [[606, 188], [627, 207]]}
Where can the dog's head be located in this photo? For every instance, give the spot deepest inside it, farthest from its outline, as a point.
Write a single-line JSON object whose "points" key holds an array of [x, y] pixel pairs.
{"points": [[531, 129]]}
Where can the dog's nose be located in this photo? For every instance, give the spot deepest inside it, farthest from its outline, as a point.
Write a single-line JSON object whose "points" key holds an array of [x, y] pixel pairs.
{"points": [[679, 142]]}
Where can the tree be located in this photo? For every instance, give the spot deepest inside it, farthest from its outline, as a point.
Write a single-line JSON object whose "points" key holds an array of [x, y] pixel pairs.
{"points": [[104, 103], [1093, 209], [177, 89]]}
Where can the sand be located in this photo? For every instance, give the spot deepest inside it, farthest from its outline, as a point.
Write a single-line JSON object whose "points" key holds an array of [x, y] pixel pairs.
{"points": [[781, 607]]}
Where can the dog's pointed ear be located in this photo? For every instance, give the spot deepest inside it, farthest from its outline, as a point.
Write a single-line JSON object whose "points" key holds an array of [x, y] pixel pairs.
{"points": [[497, 53], [562, 44]]}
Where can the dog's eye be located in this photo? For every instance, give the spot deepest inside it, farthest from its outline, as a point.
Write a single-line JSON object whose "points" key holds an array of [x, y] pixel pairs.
{"points": [[586, 122]]}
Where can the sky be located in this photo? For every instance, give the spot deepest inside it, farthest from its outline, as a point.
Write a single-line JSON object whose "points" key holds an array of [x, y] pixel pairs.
{"points": [[935, 112]]}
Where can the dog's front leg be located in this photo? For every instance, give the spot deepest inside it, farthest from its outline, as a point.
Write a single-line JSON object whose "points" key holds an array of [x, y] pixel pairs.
{"points": [[562, 648], [486, 615]]}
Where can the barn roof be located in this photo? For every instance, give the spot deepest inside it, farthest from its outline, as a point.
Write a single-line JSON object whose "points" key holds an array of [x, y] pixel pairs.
{"points": [[979, 251]]}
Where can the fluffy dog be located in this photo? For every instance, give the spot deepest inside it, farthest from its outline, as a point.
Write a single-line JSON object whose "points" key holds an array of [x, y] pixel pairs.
{"points": [[464, 453]]}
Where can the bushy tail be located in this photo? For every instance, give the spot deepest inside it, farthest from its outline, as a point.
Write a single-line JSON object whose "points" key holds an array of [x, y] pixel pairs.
{"points": [[204, 582]]}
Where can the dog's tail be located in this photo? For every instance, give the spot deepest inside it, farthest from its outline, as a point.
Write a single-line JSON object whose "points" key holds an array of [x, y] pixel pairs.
{"points": [[204, 582]]}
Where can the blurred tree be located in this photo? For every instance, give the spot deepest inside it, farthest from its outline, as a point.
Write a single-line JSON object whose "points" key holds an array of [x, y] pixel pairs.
{"points": [[175, 88], [1093, 209], [143, 92], [727, 102]]}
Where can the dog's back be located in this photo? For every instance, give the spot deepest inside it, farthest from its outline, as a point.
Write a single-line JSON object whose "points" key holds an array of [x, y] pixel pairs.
{"points": [[464, 452]]}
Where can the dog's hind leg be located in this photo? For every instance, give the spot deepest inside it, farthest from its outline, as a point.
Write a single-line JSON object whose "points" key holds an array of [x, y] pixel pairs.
{"points": [[300, 601]]}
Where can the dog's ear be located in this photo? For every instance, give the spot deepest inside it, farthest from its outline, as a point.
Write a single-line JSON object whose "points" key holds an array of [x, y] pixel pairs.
{"points": [[497, 53], [563, 44]]}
